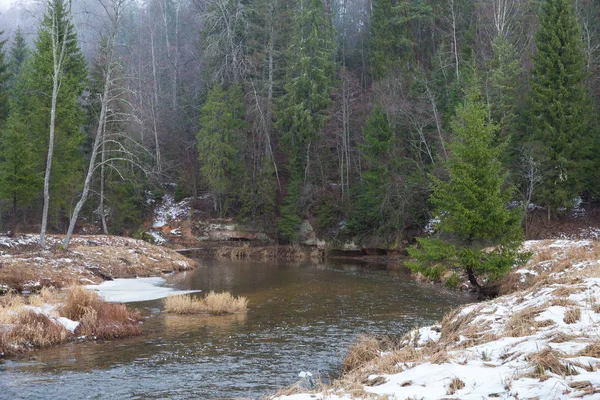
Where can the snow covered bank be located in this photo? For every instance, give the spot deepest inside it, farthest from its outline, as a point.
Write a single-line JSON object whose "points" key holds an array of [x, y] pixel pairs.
{"points": [[134, 290], [542, 341], [90, 259]]}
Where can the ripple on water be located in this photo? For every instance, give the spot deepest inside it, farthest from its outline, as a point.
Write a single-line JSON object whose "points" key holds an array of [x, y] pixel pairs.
{"points": [[300, 318]]}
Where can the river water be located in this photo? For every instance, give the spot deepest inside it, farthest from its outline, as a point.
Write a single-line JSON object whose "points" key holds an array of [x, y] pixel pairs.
{"points": [[301, 317]]}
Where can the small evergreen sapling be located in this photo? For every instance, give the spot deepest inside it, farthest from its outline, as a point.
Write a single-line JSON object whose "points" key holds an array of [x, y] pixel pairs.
{"points": [[477, 231]]}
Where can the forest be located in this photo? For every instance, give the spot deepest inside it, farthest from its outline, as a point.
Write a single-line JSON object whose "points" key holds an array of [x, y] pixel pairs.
{"points": [[353, 115]]}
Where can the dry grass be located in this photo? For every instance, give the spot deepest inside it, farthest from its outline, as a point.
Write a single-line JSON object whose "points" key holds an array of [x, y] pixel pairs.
{"points": [[523, 322], [214, 304], [596, 308], [563, 302], [549, 360], [266, 253], [98, 318], [565, 291], [455, 385], [90, 258], [572, 315], [592, 350], [364, 350]]}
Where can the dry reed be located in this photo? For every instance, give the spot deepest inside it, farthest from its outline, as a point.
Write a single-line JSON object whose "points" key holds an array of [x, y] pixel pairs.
{"points": [[214, 304]]}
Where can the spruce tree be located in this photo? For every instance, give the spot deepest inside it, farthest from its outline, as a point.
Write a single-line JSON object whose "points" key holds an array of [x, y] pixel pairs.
{"points": [[220, 140], [310, 76], [476, 232], [19, 180], [369, 210], [560, 106], [17, 56], [4, 77], [37, 84]]}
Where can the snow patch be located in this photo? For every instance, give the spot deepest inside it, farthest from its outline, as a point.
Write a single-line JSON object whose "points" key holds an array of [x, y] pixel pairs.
{"points": [[135, 290]]}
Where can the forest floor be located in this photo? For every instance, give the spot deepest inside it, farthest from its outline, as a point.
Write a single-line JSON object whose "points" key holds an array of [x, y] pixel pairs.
{"points": [[541, 339]]}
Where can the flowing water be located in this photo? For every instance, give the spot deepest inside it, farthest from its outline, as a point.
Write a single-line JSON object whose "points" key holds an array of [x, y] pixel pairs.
{"points": [[301, 317]]}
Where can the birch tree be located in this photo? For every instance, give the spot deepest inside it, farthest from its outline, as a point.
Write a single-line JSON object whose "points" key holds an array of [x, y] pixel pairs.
{"points": [[57, 56], [109, 66]]}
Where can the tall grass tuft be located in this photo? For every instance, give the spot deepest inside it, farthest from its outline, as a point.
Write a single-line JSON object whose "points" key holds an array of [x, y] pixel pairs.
{"points": [[213, 304]]}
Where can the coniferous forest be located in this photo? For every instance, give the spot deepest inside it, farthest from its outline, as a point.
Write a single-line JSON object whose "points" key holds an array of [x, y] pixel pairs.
{"points": [[367, 117]]}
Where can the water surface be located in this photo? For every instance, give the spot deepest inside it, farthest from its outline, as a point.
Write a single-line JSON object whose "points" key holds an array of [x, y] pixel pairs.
{"points": [[301, 317]]}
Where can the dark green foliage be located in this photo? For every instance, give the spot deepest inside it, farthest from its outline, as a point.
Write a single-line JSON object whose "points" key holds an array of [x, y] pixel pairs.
{"points": [[220, 140], [369, 210], [392, 43], [302, 112], [560, 106], [17, 56], [35, 89], [476, 232], [19, 180], [4, 78], [258, 199]]}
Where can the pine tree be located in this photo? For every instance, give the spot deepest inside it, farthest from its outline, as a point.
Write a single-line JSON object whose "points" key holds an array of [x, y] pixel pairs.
{"points": [[477, 232], [220, 140], [560, 106], [309, 82], [4, 77], [56, 55]]}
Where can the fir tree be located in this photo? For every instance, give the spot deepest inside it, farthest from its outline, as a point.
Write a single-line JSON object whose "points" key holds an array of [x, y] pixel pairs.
{"points": [[477, 232], [560, 106], [19, 180], [309, 82], [17, 56], [219, 140], [37, 86], [4, 77], [368, 210], [392, 44]]}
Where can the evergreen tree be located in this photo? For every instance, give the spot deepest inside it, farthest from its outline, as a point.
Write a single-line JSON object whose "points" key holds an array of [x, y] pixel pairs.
{"points": [[560, 106], [17, 56], [4, 77], [368, 212], [476, 231], [19, 180], [38, 86], [220, 141], [301, 117], [392, 43]]}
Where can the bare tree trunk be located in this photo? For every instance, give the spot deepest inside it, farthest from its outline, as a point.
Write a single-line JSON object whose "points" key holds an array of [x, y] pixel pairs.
{"points": [[58, 57], [102, 182], [155, 101], [99, 140]]}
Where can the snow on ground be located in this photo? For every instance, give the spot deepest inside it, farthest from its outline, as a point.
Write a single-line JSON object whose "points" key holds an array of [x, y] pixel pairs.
{"points": [[542, 343], [169, 210], [134, 290]]}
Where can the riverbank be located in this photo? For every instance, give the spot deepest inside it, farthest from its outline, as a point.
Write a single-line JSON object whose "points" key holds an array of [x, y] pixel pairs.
{"points": [[538, 340], [35, 312], [91, 259]]}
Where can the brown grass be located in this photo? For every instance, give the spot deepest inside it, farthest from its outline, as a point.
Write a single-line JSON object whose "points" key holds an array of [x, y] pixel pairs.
{"points": [[549, 360], [592, 350], [563, 302], [565, 291], [523, 322], [364, 350], [455, 385], [214, 304], [30, 331], [596, 308], [98, 318], [572, 315], [90, 258]]}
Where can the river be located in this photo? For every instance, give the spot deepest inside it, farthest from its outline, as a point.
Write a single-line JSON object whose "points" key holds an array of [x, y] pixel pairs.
{"points": [[301, 317]]}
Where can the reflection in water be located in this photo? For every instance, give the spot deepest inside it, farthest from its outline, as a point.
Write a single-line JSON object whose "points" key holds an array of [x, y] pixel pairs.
{"points": [[300, 318]]}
